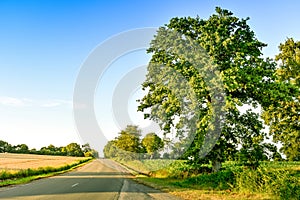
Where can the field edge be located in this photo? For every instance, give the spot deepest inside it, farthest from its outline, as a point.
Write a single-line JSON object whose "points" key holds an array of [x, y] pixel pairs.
{"points": [[27, 179]]}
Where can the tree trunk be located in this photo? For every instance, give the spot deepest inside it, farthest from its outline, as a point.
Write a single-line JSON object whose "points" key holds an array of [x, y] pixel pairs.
{"points": [[216, 163]]}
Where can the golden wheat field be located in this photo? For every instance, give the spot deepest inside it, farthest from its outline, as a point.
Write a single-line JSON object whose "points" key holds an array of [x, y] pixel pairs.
{"points": [[11, 161]]}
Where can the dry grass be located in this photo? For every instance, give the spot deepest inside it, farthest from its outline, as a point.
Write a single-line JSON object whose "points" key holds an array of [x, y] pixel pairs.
{"points": [[11, 161]]}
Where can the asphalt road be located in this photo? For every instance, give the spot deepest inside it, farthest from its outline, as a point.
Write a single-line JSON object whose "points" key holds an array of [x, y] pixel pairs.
{"points": [[101, 179]]}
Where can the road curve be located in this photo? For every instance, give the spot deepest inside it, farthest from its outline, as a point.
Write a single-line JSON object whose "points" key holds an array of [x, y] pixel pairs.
{"points": [[101, 179]]}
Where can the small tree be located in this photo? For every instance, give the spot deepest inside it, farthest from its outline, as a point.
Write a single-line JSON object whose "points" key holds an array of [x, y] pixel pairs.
{"points": [[128, 143], [5, 147], [73, 149], [88, 151], [21, 148], [152, 143], [86, 148], [110, 150]]}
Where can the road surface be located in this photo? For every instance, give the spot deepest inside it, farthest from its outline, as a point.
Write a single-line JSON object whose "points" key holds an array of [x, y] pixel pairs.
{"points": [[101, 179]]}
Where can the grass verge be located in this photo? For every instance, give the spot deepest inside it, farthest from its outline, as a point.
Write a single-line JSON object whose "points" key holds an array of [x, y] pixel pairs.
{"points": [[185, 189], [272, 180]]}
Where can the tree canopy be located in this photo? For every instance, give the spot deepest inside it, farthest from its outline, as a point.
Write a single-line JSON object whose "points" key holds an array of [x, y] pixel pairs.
{"points": [[128, 145], [152, 143], [72, 149], [283, 115], [228, 50]]}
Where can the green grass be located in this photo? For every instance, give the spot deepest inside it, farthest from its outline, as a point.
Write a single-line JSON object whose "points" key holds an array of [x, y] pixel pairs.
{"points": [[272, 180], [27, 175], [280, 182], [147, 166], [185, 190]]}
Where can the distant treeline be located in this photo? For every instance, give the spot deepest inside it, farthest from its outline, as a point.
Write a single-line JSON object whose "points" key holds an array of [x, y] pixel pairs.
{"points": [[129, 145], [72, 149]]}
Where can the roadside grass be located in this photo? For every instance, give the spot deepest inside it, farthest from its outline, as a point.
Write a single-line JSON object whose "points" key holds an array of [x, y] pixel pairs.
{"points": [[27, 179], [146, 167], [272, 180], [13, 177], [189, 191]]}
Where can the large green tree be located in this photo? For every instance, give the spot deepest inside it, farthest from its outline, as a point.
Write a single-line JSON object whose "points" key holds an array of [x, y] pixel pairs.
{"points": [[283, 115], [179, 95]]}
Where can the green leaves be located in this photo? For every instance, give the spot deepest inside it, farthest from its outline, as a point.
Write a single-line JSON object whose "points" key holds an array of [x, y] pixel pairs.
{"points": [[128, 139], [73, 149], [200, 71], [126, 146], [152, 143], [283, 115]]}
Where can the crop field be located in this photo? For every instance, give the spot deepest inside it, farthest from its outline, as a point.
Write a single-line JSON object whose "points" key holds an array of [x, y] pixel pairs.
{"points": [[11, 161], [23, 168]]}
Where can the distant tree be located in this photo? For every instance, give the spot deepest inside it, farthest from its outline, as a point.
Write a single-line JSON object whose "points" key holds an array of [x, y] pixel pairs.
{"points": [[86, 148], [129, 139], [133, 130], [152, 143], [166, 155], [21, 148], [88, 151], [5, 147], [283, 115], [73, 149], [93, 153], [51, 150], [178, 151], [110, 150], [62, 151], [126, 145], [33, 151], [43, 151]]}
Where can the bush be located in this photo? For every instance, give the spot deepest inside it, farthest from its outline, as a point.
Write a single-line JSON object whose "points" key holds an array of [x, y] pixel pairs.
{"points": [[291, 189], [4, 175], [221, 180], [282, 183], [280, 179]]}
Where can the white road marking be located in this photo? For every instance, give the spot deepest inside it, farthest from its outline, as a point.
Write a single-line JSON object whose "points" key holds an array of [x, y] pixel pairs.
{"points": [[125, 187], [74, 185]]}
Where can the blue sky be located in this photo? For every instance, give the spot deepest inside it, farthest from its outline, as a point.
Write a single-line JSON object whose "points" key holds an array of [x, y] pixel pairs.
{"points": [[44, 43]]}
